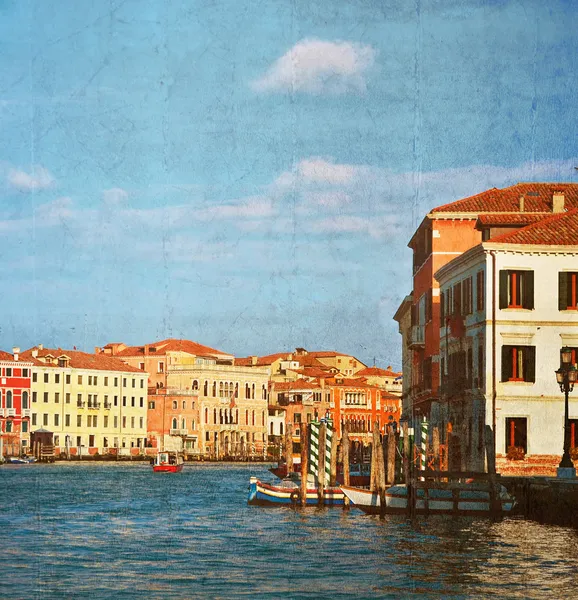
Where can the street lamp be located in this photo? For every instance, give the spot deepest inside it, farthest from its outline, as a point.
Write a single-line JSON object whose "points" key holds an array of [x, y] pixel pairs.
{"points": [[566, 378]]}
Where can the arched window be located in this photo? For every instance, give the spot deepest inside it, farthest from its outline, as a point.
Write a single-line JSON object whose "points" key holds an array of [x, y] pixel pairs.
{"points": [[206, 416], [263, 418], [25, 399], [9, 399], [214, 389], [8, 426], [263, 392], [206, 388], [253, 418], [253, 392], [247, 391], [226, 389], [174, 426], [195, 384], [220, 389], [246, 417], [215, 416], [237, 416], [221, 416], [271, 428], [281, 428], [183, 424]]}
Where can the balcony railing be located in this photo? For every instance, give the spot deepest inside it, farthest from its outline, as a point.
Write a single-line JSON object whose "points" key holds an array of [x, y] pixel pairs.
{"points": [[417, 335], [94, 405], [10, 412], [80, 404], [1, 412], [178, 432], [107, 405], [26, 412]]}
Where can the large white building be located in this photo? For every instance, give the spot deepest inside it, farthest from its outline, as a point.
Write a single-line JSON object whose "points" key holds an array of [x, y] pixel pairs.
{"points": [[508, 305]]}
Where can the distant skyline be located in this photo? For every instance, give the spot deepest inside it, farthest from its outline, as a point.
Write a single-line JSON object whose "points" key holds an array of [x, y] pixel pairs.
{"points": [[247, 174]]}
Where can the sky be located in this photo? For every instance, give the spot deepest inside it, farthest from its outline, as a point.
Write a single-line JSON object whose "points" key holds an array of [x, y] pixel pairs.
{"points": [[248, 174]]}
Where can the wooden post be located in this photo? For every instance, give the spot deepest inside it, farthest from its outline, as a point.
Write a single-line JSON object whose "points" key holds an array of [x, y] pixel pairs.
{"points": [[435, 435], [406, 451], [288, 448], [321, 465], [333, 462], [380, 467], [495, 503], [304, 462], [391, 453], [376, 450], [345, 453]]}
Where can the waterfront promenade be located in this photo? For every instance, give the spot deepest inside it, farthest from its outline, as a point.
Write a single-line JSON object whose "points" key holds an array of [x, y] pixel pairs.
{"points": [[113, 530]]}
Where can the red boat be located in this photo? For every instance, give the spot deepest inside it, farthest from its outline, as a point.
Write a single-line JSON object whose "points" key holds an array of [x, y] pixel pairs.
{"points": [[167, 462]]}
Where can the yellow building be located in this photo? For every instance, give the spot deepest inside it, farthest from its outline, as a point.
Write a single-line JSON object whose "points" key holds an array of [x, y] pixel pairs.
{"points": [[93, 404], [231, 400]]}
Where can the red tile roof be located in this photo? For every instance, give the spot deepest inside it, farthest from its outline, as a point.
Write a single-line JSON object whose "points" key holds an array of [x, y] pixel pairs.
{"points": [[80, 360], [537, 198], [317, 372], [557, 230], [8, 356], [262, 361], [299, 384], [377, 372], [172, 345], [326, 354], [510, 218]]}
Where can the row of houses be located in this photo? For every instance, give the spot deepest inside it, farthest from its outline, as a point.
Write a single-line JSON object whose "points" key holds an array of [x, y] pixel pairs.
{"points": [[178, 394], [494, 300]]}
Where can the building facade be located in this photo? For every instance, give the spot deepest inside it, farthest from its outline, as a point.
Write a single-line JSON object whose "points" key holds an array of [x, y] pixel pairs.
{"points": [[15, 377], [92, 404], [226, 403], [508, 306]]}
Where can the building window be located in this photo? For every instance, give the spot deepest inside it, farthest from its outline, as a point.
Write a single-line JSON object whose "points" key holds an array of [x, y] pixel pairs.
{"points": [[457, 295], [106, 381], [151, 405], [34, 377], [519, 363], [24, 426], [468, 301], [297, 418], [174, 423], [105, 421], [480, 290], [56, 377], [45, 396], [161, 367], [573, 432], [141, 402], [45, 420], [124, 400], [67, 420], [57, 397], [517, 433], [67, 397], [80, 380], [142, 383], [141, 422], [9, 426], [34, 419], [124, 422], [68, 379], [132, 401], [79, 420], [568, 291], [116, 383], [134, 383], [516, 289], [45, 377], [95, 421], [115, 423], [24, 400], [132, 422], [56, 420], [34, 396], [175, 405]]}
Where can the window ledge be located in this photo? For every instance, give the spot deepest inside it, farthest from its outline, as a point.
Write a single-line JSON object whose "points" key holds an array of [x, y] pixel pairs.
{"points": [[521, 382], [517, 309]]}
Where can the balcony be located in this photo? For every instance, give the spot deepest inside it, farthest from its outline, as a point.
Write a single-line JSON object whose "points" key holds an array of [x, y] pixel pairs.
{"points": [[26, 412], [107, 405], [1, 412], [10, 412], [95, 405], [80, 404], [178, 432], [417, 336]]}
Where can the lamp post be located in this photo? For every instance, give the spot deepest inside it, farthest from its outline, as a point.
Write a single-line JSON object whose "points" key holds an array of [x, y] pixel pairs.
{"points": [[566, 378]]}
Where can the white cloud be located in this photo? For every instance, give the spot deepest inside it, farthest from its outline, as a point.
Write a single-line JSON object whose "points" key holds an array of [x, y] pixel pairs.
{"points": [[253, 207], [40, 178], [55, 211], [375, 227], [316, 66], [114, 196]]}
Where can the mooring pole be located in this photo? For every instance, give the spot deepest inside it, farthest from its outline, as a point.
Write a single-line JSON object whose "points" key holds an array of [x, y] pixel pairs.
{"points": [[304, 462]]}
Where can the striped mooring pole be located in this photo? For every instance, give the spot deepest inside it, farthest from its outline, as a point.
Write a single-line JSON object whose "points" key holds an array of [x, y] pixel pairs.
{"points": [[423, 428], [314, 448]]}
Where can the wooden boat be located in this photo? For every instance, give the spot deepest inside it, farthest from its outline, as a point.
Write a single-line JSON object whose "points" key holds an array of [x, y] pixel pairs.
{"points": [[19, 460], [167, 462], [359, 473], [434, 498], [288, 493]]}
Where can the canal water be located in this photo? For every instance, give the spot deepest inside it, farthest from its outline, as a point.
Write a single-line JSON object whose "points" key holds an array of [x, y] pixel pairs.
{"points": [[115, 530]]}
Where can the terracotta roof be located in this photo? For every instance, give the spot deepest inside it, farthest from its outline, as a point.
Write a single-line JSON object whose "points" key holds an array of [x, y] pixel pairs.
{"points": [[300, 384], [316, 372], [385, 395], [377, 372], [557, 230], [537, 198], [81, 360], [356, 383], [262, 361], [171, 345], [326, 354], [511, 218], [8, 356]]}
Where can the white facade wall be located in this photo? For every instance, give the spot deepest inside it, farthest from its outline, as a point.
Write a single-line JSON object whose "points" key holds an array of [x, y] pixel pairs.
{"points": [[545, 327]]}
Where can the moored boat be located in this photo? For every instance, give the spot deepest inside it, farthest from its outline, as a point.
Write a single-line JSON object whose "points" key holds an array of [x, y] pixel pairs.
{"points": [[435, 498], [167, 462], [288, 493]]}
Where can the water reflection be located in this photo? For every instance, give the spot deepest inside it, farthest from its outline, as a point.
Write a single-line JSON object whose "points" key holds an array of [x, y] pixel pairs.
{"points": [[118, 531]]}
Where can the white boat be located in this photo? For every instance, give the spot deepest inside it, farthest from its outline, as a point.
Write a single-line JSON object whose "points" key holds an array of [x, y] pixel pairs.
{"points": [[435, 498], [288, 493]]}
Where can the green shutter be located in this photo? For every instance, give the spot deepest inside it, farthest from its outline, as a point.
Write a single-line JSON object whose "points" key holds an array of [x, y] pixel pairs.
{"points": [[530, 363], [503, 289], [528, 299], [506, 362], [562, 291]]}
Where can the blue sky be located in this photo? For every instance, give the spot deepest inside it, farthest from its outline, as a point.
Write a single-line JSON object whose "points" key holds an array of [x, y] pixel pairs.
{"points": [[248, 174]]}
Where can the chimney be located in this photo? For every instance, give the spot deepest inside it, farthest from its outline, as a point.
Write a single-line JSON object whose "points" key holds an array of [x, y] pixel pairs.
{"points": [[97, 350], [16, 352], [522, 203], [40, 347], [34, 352], [253, 361], [558, 202], [389, 366], [146, 349]]}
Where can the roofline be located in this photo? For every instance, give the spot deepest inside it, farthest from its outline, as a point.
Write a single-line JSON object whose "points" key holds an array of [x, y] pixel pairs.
{"points": [[407, 300], [458, 260]]}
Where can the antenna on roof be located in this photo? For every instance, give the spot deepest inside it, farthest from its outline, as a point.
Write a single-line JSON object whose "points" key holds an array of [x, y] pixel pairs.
{"points": [[374, 361]]}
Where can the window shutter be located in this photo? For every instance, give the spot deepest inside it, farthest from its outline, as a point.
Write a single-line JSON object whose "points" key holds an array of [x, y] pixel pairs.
{"points": [[530, 363], [562, 291], [503, 289], [528, 300], [442, 309], [506, 362]]}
